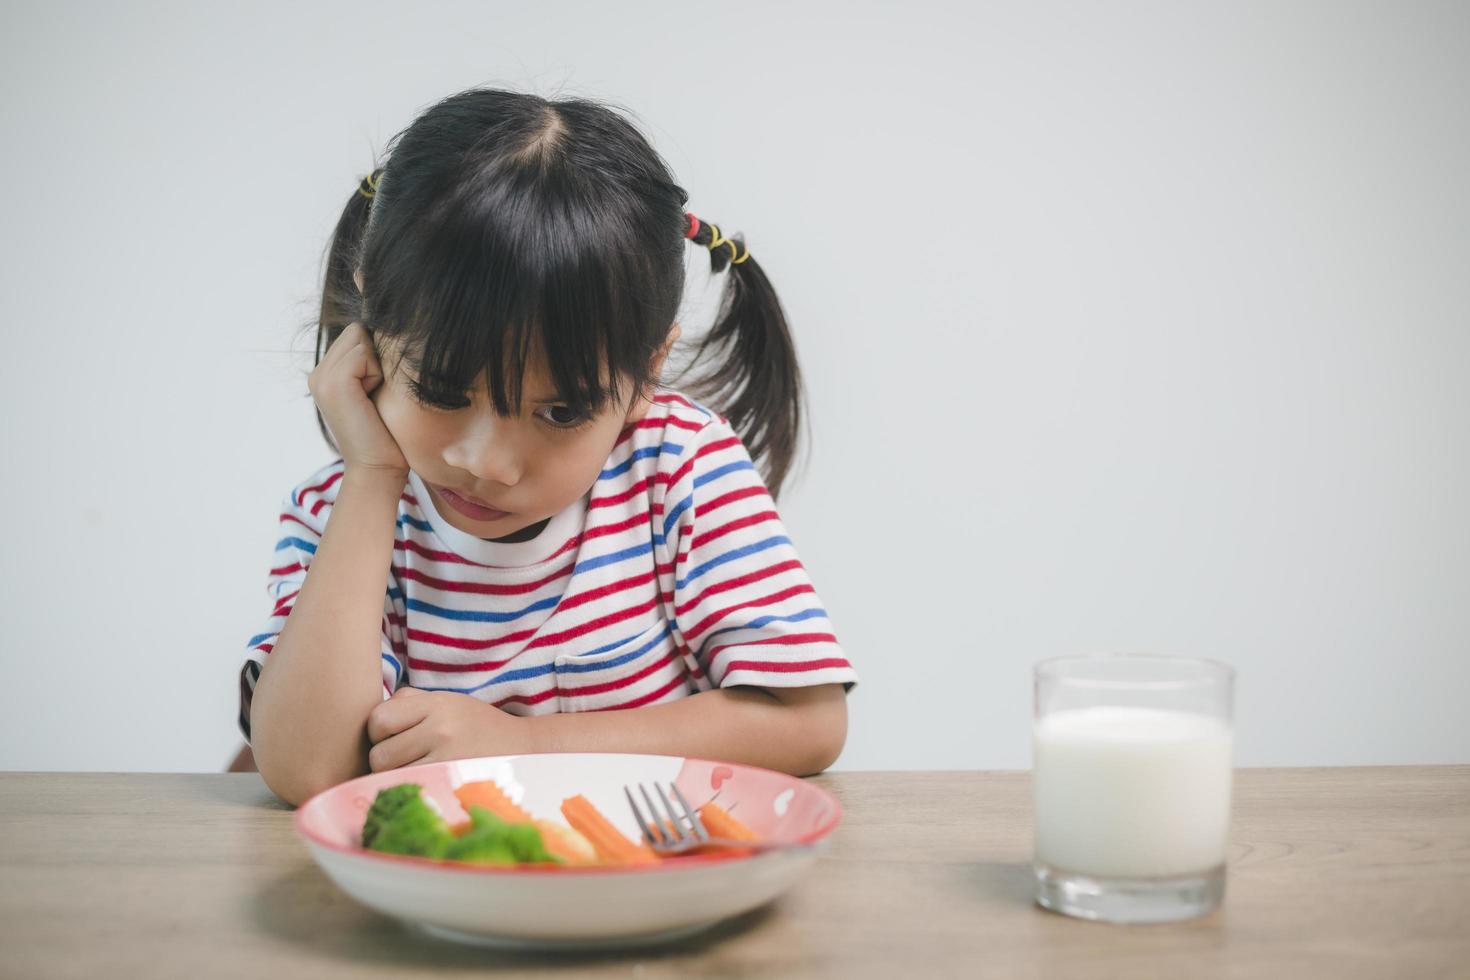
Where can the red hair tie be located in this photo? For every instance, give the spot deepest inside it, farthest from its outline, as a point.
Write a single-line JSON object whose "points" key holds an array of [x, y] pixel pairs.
{"points": [[693, 225]]}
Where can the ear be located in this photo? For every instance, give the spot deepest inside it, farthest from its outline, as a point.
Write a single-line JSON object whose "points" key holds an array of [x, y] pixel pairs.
{"points": [[641, 404]]}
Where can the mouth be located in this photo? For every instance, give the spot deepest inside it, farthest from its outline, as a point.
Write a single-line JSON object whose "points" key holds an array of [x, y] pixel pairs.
{"points": [[469, 506]]}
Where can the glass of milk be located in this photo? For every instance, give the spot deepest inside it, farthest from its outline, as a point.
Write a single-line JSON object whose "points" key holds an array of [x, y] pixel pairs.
{"points": [[1132, 785]]}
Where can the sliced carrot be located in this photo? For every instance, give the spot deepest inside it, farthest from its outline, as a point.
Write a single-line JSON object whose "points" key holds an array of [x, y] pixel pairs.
{"points": [[606, 839], [719, 823], [488, 794]]}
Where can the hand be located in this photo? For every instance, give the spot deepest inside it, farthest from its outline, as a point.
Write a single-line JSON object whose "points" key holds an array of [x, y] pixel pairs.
{"points": [[348, 373], [430, 726]]}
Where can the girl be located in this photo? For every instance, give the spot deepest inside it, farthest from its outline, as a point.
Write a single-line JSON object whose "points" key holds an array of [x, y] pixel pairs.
{"points": [[530, 527]]}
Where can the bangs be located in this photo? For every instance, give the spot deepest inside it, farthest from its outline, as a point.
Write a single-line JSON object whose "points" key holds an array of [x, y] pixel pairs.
{"points": [[516, 269]]}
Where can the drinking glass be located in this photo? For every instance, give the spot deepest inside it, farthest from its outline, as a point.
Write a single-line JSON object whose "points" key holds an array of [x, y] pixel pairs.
{"points": [[1132, 783]]}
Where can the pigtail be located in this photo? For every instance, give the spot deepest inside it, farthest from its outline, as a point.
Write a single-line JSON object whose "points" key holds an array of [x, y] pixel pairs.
{"points": [[341, 302], [754, 378]]}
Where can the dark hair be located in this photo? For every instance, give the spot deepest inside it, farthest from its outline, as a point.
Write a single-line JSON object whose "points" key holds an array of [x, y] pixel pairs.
{"points": [[502, 223]]}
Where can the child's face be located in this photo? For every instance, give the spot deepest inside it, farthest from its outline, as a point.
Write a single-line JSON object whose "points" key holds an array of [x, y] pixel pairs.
{"points": [[531, 466]]}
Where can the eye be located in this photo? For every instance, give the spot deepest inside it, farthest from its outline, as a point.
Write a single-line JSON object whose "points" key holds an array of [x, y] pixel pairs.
{"points": [[562, 417], [431, 400]]}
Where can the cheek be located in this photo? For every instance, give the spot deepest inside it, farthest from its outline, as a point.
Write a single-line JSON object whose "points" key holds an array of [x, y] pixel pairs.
{"points": [[409, 424]]}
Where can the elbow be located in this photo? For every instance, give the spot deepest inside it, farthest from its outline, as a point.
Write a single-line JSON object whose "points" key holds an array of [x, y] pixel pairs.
{"points": [[295, 784], [826, 739], [293, 775]]}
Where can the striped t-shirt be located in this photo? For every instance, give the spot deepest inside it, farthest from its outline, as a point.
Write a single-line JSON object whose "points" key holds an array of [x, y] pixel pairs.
{"points": [[674, 574]]}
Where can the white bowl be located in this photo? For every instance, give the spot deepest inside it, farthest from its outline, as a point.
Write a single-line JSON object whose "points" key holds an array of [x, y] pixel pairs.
{"points": [[573, 907]]}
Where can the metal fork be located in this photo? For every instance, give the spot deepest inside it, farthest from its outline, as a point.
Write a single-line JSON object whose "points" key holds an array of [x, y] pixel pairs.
{"points": [[680, 834]]}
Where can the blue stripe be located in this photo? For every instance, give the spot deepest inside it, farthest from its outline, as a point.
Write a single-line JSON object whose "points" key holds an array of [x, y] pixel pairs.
{"points": [[612, 558], [699, 481], [421, 525], [646, 451], [306, 546], [397, 670], [258, 638], [715, 474], [730, 556], [394, 592], [469, 615], [526, 673], [616, 661], [501, 678], [673, 515], [757, 623]]}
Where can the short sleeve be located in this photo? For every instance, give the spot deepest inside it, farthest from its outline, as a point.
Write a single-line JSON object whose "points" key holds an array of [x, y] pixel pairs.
{"points": [[303, 518], [743, 603]]}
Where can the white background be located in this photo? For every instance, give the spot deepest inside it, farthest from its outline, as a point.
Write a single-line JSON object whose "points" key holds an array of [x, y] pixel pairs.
{"points": [[1127, 326]]}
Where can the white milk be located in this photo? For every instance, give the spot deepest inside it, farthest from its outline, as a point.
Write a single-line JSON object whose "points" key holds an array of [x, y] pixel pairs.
{"points": [[1132, 792]]}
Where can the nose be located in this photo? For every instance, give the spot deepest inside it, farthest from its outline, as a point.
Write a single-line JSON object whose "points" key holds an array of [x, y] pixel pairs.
{"points": [[487, 449]]}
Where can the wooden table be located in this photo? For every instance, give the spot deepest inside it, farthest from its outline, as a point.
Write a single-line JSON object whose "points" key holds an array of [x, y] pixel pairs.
{"points": [[1333, 873]]}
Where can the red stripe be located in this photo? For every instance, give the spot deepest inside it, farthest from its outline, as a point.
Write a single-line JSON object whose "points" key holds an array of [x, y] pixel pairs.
{"points": [[590, 689], [301, 497], [288, 516], [605, 529], [526, 698], [675, 399], [712, 618], [785, 666], [785, 640], [547, 639], [705, 450], [645, 699], [287, 569], [457, 642], [706, 537], [445, 556], [482, 588], [731, 497], [657, 422], [735, 583], [691, 660], [616, 498], [612, 588]]}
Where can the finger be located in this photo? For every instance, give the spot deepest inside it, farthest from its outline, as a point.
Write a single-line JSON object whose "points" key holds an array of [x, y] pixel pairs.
{"points": [[345, 343], [401, 750], [405, 691], [388, 718]]}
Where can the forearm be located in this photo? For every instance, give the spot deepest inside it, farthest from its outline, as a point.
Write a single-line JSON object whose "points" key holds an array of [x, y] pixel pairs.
{"points": [[798, 731], [309, 711]]}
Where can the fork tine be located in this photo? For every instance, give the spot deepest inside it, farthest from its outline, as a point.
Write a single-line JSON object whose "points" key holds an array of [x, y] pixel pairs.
{"points": [[663, 833], [643, 825], [683, 836], [693, 814]]}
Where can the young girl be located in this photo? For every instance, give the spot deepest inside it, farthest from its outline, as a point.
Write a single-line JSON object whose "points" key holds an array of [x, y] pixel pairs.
{"points": [[525, 522]]}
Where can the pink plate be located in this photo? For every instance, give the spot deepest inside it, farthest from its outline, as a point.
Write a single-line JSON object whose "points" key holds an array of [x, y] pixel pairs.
{"points": [[554, 906]]}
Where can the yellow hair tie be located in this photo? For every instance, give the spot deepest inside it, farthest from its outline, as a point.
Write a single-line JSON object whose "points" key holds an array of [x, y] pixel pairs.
{"points": [[372, 182], [716, 240]]}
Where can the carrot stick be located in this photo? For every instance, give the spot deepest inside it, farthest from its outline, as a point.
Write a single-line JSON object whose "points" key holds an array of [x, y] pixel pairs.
{"points": [[719, 823], [609, 843], [488, 794]]}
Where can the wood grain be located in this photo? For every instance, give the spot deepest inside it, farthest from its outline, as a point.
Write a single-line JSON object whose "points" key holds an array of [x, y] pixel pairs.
{"points": [[1361, 872]]}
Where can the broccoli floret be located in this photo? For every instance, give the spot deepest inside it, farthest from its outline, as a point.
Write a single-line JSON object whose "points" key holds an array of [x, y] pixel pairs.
{"points": [[490, 839], [401, 821]]}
